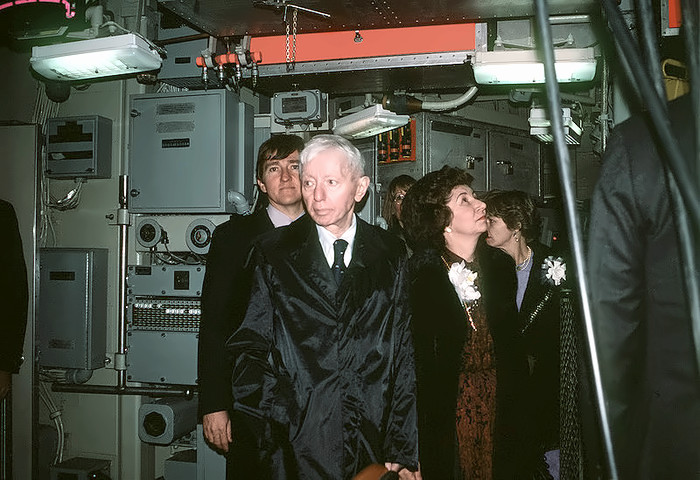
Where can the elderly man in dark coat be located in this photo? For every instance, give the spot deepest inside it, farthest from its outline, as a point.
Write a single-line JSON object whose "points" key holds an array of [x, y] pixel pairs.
{"points": [[324, 371]]}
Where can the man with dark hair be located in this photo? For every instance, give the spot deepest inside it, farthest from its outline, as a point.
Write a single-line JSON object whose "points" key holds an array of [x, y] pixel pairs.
{"points": [[226, 287], [323, 362]]}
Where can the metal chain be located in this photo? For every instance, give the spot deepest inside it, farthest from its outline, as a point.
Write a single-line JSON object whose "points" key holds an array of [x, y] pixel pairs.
{"points": [[294, 36], [286, 43], [291, 56]]}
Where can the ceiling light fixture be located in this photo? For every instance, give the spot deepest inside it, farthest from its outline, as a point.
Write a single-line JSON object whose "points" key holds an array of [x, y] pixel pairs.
{"points": [[523, 66], [95, 58], [541, 126], [368, 122]]}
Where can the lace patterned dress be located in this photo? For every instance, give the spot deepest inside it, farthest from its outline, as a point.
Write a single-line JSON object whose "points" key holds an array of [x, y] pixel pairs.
{"points": [[476, 400]]}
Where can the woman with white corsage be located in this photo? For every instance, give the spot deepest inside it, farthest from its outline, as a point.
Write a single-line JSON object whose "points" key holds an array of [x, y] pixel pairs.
{"points": [[469, 359], [513, 227]]}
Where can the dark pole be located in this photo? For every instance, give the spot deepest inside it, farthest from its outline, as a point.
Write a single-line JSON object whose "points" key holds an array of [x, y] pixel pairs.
{"points": [[573, 223]]}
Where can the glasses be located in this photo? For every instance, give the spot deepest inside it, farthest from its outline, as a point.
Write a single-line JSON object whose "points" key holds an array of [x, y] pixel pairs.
{"points": [[398, 198]]}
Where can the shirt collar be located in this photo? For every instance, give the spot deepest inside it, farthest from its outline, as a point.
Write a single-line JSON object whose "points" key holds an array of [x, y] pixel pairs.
{"points": [[278, 218], [326, 239]]}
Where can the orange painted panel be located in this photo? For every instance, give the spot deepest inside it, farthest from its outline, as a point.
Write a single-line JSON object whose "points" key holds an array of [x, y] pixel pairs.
{"points": [[674, 13], [375, 43]]}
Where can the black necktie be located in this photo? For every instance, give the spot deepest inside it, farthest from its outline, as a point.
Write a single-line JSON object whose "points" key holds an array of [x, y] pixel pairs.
{"points": [[338, 267]]}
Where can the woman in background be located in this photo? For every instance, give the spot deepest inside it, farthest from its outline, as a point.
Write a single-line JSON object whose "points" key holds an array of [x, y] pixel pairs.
{"points": [[513, 226], [398, 187], [469, 362]]}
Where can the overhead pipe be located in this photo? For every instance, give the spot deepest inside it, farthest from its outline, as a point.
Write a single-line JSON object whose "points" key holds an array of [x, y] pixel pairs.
{"points": [[573, 224], [406, 104], [155, 392], [568, 19]]}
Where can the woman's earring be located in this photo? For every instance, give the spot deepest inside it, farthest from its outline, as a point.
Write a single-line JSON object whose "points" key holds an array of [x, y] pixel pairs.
{"points": [[517, 238], [448, 229]]}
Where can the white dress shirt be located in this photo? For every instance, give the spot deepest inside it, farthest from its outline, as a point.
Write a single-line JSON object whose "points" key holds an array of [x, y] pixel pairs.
{"points": [[327, 238]]}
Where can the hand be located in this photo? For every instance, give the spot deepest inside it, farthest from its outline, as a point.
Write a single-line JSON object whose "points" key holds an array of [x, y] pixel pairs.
{"points": [[5, 383], [217, 429], [404, 473]]}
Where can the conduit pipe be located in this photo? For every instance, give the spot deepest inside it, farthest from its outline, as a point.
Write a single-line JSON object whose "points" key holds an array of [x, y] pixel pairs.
{"points": [[155, 392], [573, 223], [123, 222], [406, 104]]}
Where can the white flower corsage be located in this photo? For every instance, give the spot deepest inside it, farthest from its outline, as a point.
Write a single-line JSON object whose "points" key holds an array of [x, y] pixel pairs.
{"points": [[554, 270], [464, 281]]}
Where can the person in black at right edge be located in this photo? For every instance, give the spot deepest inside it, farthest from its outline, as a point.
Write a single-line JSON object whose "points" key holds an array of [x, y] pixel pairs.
{"points": [[639, 306]]}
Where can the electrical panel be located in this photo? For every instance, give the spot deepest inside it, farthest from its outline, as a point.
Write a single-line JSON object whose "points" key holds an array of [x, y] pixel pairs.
{"points": [[299, 111], [163, 313], [180, 67], [496, 156], [71, 325], [79, 147], [516, 163], [190, 152]]}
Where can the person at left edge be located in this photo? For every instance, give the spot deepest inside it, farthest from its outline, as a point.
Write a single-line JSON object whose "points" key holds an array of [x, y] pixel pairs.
{"points": [[226, 286], [14, 297], [323, 366]]}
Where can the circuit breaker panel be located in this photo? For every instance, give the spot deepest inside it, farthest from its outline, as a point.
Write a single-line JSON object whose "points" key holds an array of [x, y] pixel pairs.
{"points": [[79, 147], [190, 152], [163, 313], [72, 315]]}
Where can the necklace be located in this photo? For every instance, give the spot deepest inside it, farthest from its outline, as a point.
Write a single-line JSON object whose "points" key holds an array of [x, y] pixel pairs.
{"points": [[522, 266], [464, 304]]}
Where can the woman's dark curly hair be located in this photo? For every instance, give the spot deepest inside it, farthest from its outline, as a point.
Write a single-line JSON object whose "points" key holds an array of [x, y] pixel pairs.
{"points": [[516, 209], [425, 213]]}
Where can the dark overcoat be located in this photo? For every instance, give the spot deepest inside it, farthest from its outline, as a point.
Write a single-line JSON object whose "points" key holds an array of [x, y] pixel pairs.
{"points": [[225, 295], [440, 330], [539, 324], [324, 374], [639, 307], [224, 300], [14, 293]]}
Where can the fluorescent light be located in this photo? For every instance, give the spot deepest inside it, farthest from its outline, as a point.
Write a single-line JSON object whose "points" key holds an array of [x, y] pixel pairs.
{"points": [[368, 122], [523, 66], [541, 126], [95, 58]]}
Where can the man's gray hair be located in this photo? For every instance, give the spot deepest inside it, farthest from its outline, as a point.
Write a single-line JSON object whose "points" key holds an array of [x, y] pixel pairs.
{"points": [[320, 143]]}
